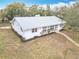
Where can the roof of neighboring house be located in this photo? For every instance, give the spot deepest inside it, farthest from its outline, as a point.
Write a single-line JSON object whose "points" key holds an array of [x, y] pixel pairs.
{"points": [[35, 22]]}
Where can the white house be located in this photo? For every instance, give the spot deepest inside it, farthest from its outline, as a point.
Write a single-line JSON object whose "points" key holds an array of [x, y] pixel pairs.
{"points": [[30, 27]]}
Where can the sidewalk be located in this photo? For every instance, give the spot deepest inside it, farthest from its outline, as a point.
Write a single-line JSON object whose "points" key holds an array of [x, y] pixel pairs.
{"points": [[6, 27]]}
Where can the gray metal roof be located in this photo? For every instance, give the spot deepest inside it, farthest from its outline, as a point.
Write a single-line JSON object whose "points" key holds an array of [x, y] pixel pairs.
{"points": [[35, 22]]}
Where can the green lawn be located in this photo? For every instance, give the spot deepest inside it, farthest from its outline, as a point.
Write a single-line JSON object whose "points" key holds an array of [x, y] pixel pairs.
{"points": [[52, 46]]}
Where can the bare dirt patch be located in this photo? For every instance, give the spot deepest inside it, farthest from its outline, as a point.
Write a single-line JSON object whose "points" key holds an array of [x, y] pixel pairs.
{"points": [[73, 34], [52, 46]]}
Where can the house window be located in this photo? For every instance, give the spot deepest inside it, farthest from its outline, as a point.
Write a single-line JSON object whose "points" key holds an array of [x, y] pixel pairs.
{"points": [[56, 26], [51, 27], [34, 30], [44, 29]]}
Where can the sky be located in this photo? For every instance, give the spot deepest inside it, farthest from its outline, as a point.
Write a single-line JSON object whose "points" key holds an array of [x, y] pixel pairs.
{"points": [[3, 3]]}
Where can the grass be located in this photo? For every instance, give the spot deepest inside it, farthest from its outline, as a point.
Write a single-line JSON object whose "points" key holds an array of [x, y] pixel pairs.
{"points": [[73, 34], [52, 46], [1, 44], [4, 24], [76, 36]]}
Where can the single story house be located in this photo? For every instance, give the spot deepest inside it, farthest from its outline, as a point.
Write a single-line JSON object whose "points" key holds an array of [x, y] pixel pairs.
{"points": [[30, 27]]}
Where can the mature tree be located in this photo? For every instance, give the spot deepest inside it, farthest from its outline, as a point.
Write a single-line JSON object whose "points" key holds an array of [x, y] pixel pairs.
{"points": [[15, 9], [41, 11], [2, 14], [48, 10], [33, 10], [71, 15]]}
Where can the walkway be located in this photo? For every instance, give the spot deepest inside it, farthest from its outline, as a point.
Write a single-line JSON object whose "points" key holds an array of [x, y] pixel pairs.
{"points": [[70, 39], [6, 27]]}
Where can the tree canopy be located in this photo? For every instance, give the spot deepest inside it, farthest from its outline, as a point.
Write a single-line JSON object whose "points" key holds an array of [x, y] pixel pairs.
{"points": [[71, 15], [19, 9]]}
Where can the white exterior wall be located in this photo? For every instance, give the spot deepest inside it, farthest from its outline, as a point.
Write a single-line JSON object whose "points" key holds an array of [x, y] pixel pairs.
{"points": [[28, 33], [60, 27], [17, 28]]}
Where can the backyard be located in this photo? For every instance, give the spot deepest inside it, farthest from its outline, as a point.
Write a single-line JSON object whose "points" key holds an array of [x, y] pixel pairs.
{"points": [[52, 46]]}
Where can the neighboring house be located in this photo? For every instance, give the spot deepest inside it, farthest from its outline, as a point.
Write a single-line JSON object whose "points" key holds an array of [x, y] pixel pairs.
{"points": [[30, 27]]}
